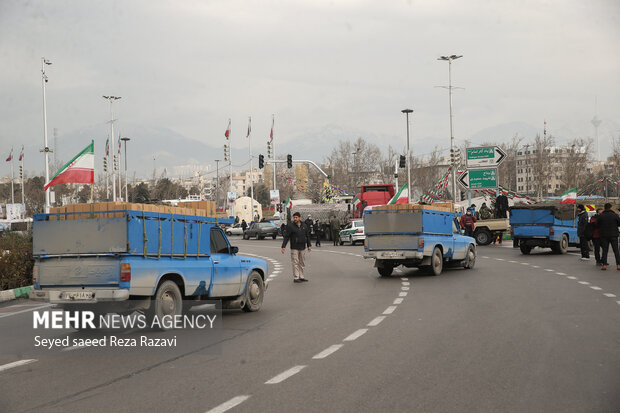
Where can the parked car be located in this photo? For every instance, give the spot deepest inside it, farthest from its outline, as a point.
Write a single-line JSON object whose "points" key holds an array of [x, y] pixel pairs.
{"points": [[260, 230], [234, 230], [353, 232]]}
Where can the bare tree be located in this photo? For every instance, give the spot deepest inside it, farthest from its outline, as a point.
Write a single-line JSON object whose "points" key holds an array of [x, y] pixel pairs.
{"points": [[574, 162], [353, 163], [426, 171], [541, 164]]}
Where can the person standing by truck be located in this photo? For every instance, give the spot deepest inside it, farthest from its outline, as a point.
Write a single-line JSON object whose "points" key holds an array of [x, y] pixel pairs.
{"points": [[582, 224], [468, 222], [608, 223], [334, 225], [299, 235], [596, 236], [485, 212]]}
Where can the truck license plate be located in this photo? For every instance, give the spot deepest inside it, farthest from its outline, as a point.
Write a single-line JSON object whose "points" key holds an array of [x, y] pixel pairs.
{"points": [[77, 295], [392, 254]]}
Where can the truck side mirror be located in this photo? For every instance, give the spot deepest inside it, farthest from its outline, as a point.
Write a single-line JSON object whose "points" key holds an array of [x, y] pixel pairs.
{"points": [[234, 250]]}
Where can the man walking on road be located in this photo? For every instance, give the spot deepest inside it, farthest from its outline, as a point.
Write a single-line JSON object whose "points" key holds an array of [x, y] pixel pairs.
{"points": [[582, 224], [596, 236], [299, 235], [608, 222], [334, 225]]}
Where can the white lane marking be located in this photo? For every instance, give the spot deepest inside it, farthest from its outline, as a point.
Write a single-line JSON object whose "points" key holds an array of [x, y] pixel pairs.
{"points": [[404, 288], [403, 294], [484, 256], [404, 279], [610, 295], [276, 272], [570, 277], [24, 305], [398, 270], [548, 269], [525, 263], [389, 310], [376, 321], [583, 282], [356, 335], [595, 288], [514, 262], [285, 375], [235, 401], [73, 348], [560, 273], [398, 301], [500, 259], [618, 302], [16, 364], [405, 283], [25, 311], [328, 351], [535, 266]]}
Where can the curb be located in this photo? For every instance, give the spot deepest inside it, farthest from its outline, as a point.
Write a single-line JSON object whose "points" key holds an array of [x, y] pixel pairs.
{"points": [[15, 293]]}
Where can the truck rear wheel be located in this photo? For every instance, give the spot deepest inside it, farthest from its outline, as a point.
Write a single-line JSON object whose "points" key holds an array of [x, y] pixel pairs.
{"points": [[254, 292], [483, 236], [470, 258], [436, 261], [386, 270], [563, 245], [525, 249], [168, 301]]}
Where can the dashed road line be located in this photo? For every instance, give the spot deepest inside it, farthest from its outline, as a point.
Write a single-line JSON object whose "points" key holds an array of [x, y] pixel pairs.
{"points": [[404, 288], [535, 266], [610, 295], [356, 335], [549, 269], [595, 288], [513, 262], [560, 273], [328, 351], [525, 263], [403, 294], [16, 364], [570, 277], [398, 301], [404, 279], [484, 256], [376, 321], [235, 401], [405, 283], [583, 282], [500, 259], [618, 302], [285, 375], [389, 310]]}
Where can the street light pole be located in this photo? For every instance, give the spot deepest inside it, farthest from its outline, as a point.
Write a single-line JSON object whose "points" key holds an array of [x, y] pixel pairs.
{"points": [[217, 182], [125, 139], [527, 170], [407, 112], [449, 59], [111, 99], [46, 149]]}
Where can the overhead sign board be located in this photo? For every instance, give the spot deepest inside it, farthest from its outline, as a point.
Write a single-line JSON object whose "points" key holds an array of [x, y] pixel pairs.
{"points": [[484, 156], [479, 178]]}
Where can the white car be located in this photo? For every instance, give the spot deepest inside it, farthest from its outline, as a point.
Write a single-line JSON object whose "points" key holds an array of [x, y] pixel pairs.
{"points": [[353, 232], [234, 230]]}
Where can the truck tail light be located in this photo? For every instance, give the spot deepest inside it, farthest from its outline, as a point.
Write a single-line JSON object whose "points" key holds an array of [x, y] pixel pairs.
{"points": [[512, 231], [551, 231], [359, 231], [35, 274], [420, 243], [125, 272]]}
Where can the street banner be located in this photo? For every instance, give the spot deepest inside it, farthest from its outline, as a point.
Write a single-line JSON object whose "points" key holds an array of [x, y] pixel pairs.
{"points": [[274, 195], [232, 197]]}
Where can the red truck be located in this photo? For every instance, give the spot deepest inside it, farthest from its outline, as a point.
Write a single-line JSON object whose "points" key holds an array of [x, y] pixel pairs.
{"points": [[373, 195]]}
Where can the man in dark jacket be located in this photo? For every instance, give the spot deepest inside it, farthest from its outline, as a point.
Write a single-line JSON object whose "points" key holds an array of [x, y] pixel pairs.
{"points": [[596, 237], [468, 222], [582, 224], [607, 223], [334, 225], [299, 235]]}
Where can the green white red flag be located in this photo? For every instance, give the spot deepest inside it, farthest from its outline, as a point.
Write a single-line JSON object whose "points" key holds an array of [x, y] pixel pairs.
{"points": [[401, 197], [569, 197], [356, 202], [288, 203], [79, 170]]}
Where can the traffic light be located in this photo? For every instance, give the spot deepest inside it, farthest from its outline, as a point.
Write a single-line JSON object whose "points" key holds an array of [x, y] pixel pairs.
{"points": [[269, 152], [289, 161], [226, 152], [105, 164], [261, 161], [455, 157], [115, 163], [402, 162], [21, 172]]}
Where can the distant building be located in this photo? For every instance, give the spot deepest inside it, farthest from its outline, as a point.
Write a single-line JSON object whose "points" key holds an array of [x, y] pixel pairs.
{"points": [[243, 207], [241, 180]]}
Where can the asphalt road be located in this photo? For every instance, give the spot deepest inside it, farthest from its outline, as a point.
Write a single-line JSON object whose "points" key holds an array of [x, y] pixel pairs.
{"points": [[538, 333]]}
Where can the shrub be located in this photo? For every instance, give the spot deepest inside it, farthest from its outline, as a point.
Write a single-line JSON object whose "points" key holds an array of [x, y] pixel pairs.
{"points": [[15, 259]]}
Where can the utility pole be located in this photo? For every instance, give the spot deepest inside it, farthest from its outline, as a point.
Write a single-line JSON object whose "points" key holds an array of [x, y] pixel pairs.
{"points": [[527, 170], [449, 59], [125, 139], [111, 99], [251, 172], [217, 182], [407, 112], [46, 149]]}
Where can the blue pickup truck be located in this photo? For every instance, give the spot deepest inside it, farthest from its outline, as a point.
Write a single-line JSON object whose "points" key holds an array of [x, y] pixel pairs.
{"points": [[546, 226], [416, 236], [156, 262]]}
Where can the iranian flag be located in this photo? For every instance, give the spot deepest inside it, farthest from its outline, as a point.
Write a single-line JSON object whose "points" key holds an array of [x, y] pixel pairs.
{"points": [[79, 170], [401, 197], [356, 202], [289, 203], [569, 197]]}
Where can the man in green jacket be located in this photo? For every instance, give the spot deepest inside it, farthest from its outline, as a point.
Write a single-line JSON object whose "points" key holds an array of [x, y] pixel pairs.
{"points": [[335, 227]]}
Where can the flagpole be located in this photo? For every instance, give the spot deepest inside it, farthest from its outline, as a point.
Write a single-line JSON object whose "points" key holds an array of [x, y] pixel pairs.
{"points": [[273, 154], [120, 175], [22, 161], [251, 172], [12, 177]]}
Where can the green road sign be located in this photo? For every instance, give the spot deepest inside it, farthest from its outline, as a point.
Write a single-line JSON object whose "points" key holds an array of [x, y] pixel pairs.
{"points": [[485, 156], [479, 178]]}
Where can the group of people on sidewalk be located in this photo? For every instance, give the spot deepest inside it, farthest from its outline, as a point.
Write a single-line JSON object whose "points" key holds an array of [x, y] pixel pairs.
{"points": [[602, 230]]}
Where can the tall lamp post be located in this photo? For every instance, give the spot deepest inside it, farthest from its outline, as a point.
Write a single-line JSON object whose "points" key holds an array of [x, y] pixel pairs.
{"points": [[407, 112], [111, 99], [527, 170], [125, 139], [46, 149], [449, 59], [217, 182]]}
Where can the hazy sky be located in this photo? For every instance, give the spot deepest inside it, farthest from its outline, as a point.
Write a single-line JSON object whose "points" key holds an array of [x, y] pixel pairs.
{"points": [[190, 65]]}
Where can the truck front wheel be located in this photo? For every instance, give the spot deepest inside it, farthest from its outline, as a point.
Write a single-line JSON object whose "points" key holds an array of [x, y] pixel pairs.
{"points": [[483, 236], [525, 249], [437, 261], [470, 258], [254, 292], [386, 270], [168, 301]]}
